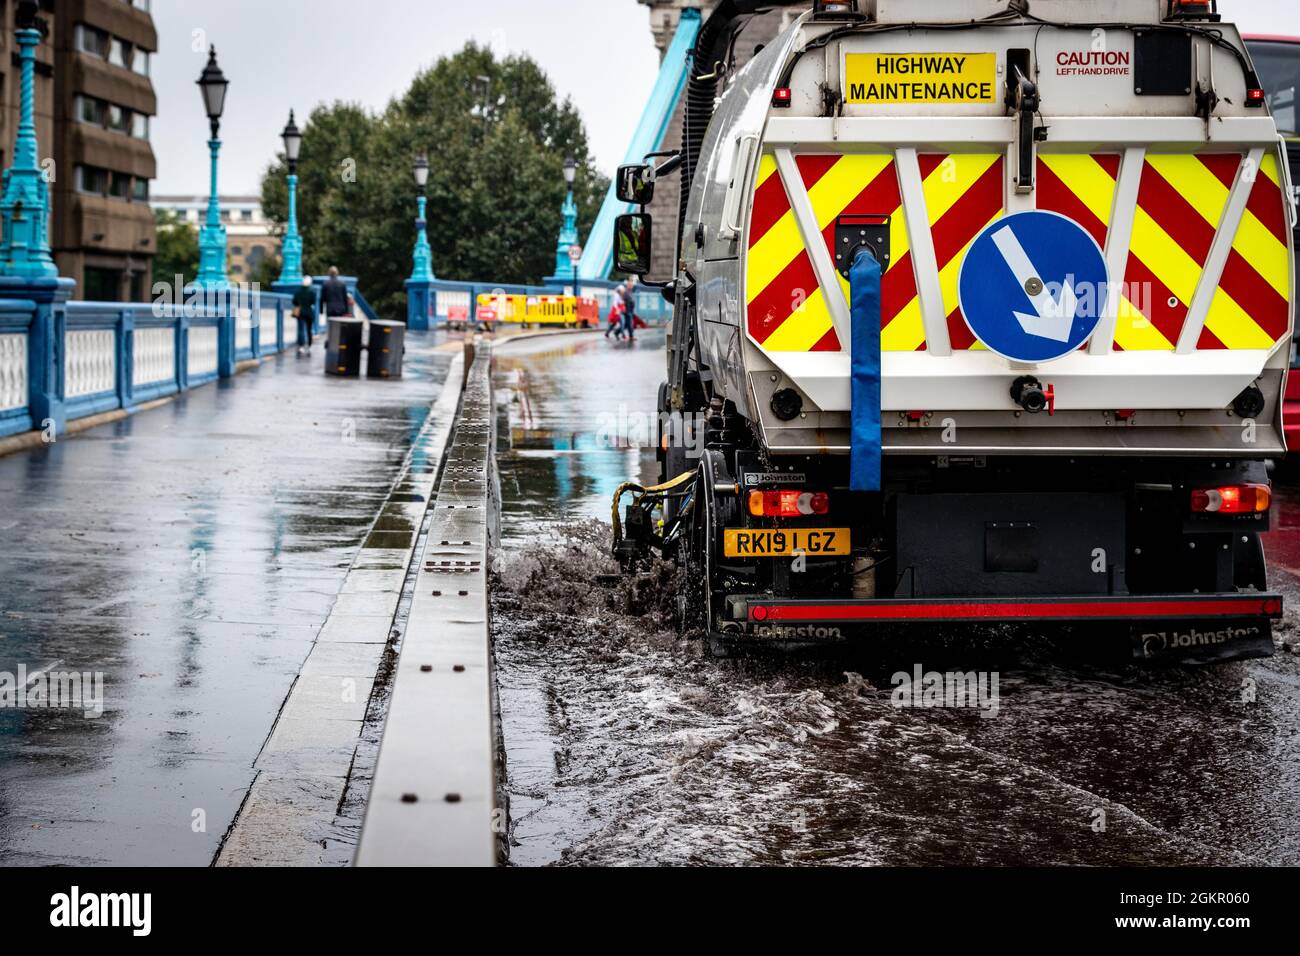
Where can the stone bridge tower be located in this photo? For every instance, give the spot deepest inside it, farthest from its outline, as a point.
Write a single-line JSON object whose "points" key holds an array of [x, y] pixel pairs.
{"points": [[664, 17]]}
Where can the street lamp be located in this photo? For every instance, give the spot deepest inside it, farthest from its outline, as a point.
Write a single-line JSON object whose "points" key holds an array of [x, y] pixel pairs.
{"points": [[571, 174], [212, 240], [291, 273], [24, 208], [423, 256]]}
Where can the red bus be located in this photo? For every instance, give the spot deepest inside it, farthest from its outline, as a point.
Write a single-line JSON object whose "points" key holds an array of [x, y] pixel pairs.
{"points": [[1277, 59]]}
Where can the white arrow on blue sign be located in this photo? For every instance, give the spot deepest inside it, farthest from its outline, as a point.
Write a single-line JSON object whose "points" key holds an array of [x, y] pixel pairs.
{"points": [[1033, 286]]}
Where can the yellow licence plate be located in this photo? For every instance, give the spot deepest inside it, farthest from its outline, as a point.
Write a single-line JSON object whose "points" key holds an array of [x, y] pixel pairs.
{"points": [[786, 542]]}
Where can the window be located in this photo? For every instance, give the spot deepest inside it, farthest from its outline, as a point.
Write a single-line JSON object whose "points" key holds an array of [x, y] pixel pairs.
{"points": [[91, 110], [92, 41], [102, 285], [246, 215], [119, 120], [119, 53], [145, 5], [1279, 69], [92, 179], [140, 190], [225, 215], [236, 250], [140, 64], [140, 125], [120, 186]]}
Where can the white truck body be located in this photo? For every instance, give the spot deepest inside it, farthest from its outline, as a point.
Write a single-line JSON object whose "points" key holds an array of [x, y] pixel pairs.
{"points": [[1194, 213]]}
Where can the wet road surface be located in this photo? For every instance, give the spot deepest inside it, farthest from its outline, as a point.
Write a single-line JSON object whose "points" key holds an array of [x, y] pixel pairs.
{"points": [[189, 554], [627, 745]]}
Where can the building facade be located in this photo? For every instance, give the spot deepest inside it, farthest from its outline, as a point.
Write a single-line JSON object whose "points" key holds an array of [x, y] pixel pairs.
{"points": [[251, 240], [94, 106]]}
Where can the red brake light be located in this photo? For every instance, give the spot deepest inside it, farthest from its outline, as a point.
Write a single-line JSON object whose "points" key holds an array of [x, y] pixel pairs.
{"points": [[788, 504], [783, 96], [1255, 97], [1232, 499]]}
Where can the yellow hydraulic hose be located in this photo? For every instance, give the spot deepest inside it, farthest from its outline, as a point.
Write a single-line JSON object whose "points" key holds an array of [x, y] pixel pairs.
{"points": [[641, 492]]}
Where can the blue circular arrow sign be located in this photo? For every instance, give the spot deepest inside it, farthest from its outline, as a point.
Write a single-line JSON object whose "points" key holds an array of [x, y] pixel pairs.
{"points": [[1033, 286]]}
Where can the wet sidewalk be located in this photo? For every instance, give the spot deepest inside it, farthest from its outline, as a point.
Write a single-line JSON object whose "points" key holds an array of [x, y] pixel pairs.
{"points": [[190, 555]]}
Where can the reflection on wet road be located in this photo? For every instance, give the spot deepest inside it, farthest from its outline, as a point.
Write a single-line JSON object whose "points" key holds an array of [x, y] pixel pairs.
{"points": [[189, 554], [626, 745]]}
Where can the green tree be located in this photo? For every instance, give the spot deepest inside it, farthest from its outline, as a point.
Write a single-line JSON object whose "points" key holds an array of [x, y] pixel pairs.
{"points": [[496, 147], [178, 248]]}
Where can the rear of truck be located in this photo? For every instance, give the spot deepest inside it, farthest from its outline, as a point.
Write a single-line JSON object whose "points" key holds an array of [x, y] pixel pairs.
{"points": [[864, 458]]}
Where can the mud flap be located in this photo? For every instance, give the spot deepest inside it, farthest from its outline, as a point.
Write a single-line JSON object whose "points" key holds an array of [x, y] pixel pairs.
{"points": [[1203, 642]]}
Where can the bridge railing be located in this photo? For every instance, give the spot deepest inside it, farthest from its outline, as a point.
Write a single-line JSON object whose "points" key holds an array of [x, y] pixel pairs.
{"points": [[72, 360]]}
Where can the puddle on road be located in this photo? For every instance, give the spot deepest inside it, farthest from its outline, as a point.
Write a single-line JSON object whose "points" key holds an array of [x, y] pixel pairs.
{"points": [[628, 745]]}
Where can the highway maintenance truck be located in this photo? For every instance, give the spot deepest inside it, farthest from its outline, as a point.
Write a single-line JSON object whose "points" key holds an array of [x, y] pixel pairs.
{"points": [[983, 313]]}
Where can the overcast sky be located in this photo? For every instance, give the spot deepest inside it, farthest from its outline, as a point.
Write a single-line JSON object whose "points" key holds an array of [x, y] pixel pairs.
{"points": [[297, 53]]}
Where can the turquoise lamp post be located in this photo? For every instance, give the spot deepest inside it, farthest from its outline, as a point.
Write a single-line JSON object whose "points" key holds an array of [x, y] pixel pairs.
{"points": [[423, 257], [566, 267], [212, 238], [25, 206], [291, 273], [419, 287]]}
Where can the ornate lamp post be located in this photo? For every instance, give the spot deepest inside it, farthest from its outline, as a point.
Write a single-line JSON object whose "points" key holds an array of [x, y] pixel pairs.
{"points": [[25, 206], [292, 271], [212, 239], [571, 206], [420, 297], [565, 266], [423, 257]]}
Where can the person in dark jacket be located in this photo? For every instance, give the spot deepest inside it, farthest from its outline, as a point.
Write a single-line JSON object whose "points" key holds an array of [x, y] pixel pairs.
{"points": [[628, 294], [335, 300], [304, 309]]}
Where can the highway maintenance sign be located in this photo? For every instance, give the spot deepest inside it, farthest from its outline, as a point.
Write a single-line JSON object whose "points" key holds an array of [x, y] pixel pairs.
{"points": [[920, 78], [1033, 286]]}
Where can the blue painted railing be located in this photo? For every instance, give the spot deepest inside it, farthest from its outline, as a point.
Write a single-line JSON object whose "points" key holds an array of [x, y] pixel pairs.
{"points": [[77, 359]]}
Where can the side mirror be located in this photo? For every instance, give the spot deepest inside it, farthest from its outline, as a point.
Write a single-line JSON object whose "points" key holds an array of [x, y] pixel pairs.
{"points": [[632, 243], [636, 184]]}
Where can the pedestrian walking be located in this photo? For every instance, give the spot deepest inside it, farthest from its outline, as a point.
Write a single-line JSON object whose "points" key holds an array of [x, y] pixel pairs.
{"points": [[615, 320], [304, 310], [628, 296], [335, 299]]}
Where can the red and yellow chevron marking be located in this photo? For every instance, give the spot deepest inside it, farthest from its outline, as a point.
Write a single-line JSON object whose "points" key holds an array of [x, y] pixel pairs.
{"points": [[964, 192], [1181, 201], [1252, 308], [1080, 186], [787, 311]]}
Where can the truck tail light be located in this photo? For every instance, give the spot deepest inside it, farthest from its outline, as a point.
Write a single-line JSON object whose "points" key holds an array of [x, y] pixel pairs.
{"points": [[1188, 9], [1255, 97], [788, 504], [783, 96], [1232, 499]]}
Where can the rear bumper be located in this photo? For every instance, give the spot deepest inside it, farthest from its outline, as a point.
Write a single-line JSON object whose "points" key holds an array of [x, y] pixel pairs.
{"points": [[1014, 610], [1207, 628]]}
